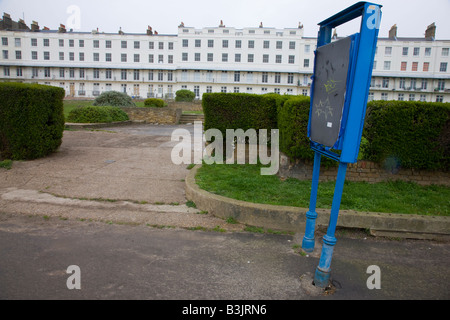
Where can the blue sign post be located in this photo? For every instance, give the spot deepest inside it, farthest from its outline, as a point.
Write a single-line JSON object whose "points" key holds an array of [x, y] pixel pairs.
{"points": [[339, 91]]}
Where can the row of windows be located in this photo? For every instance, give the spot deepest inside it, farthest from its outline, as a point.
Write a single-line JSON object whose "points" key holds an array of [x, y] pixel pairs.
{"points": [[414, 66], [237, 44], [402, 97], [238, 58], [416, 51], [413, 84]]}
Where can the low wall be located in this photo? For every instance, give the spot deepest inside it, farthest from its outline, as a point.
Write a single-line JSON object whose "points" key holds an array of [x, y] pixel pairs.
{"points": [[362, 171], [186, 106], [154, 115]]}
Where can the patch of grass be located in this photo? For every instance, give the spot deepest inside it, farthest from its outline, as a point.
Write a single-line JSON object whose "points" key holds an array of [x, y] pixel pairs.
{"points": [[6, 164], [244, 182], [190, 166], [231, 220], [191, 204]]}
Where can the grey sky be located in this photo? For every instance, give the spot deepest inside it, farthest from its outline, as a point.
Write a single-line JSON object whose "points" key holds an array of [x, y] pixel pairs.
{"points": [[411, 16]]}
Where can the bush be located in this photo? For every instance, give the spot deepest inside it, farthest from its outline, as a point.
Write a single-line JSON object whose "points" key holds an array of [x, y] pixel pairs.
{"points": [[240, 111], [413, 134], [31, 120], [97, 114], [154, 102], [184, 95], [114, 98]]}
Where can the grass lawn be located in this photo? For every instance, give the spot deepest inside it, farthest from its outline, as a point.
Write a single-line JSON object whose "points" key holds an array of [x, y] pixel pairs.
{"points": [[244, 182], [69, 105]]}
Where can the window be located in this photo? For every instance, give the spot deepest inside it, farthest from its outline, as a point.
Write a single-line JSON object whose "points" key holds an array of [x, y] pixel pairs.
{"points": [[385, 83], [136, 75], [250, 57], [71, 43], [306, 63], [237, 76], [415, 66], [161, 45], [61, 56], [413, 83], [265, 77], [210, 57], [108, 44], [443, 67], [291, 44], [416, 51], [439, 98], [170, 45], [5, 42], [384, 96], [34, 42], [150, 58], [424, 84], [236, 89], [224, 43], [403, 66], [81, 43], [208, 89], [35, 72], [34, 55], [405, 51], [137, 45], [401, 84], [18, 43], [47, 72], [250, 77], [170, 58], [278, 58], [160, 58], [374, 66], [123, 44], [71, 56], [184, 56], [441, 85], [444, 52], [290, 78], [197, 56], [5, 54], [224, 57], [291, 59], [426, 66], [277, 77], [19, 72], [46, 55], [370, 96], [307, 48], [387, 65], [238, 44], [136, 57], [265, 58], [251, 44], [237, 57], [210, 43], [96, 56], [412, 97], [61, 72], [224, 76], [96, 74], [151, 45], [387, 51], [96, 44], [72, 73], [427, 52], [279, 45], [169, 75], [81, 56], [423, 97], [266, 44], [150, 75], [18, 55], [198, 43], [223, 89], [123, 57], [401, 97], [82, 73], [108, 57], [209, 75]]}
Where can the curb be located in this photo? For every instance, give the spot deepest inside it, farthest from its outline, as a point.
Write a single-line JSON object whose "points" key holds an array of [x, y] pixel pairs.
{"points": [[76, 126], [294, 218]]}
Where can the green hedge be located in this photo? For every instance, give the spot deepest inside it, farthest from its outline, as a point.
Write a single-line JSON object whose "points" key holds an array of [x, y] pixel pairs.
{"points": [[240, 111], [412, 134], [31, 120], [114, 98], [97, 114], [154, 103], [184, 95]]}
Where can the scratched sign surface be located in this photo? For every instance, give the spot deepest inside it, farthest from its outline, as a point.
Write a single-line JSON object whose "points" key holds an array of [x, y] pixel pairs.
{"points": [[330, 78]]}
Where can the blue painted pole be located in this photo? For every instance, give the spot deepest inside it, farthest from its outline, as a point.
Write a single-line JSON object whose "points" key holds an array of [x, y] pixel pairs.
{"points": [[322, 275], [308, 240]]}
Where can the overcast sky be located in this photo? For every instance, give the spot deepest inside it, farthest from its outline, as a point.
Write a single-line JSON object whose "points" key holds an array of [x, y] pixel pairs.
{"points": [[411, 16]]}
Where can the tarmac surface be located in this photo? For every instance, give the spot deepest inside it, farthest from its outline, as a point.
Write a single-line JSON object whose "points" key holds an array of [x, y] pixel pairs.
{"points": [[112, 203]]}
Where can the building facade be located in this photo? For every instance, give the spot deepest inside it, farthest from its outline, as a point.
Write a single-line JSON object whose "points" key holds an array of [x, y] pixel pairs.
{"points": [[217, 59]]}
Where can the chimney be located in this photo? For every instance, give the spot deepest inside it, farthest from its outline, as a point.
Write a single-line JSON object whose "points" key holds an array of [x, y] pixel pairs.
{"points": [[393, 32], [7, 22], [430, 33], [62, 28], [120, 31], [22, 25], [149, 31], [34, 26]]}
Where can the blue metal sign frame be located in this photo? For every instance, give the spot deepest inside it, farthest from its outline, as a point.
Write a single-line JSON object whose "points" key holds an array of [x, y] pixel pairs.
{"points": [[352, 122]]}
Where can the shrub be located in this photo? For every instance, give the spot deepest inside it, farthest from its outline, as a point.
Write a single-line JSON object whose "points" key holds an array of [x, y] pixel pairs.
{"points": [[184, 95], [97, 114], [154, 102], [31, 120], [114, 98], [411, 133]]}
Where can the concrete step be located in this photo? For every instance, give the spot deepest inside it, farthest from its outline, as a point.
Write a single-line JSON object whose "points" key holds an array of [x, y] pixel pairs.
{"points": [[190, 118]]}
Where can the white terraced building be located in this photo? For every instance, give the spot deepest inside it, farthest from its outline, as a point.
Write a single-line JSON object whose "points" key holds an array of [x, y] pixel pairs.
{"points": [[217, 59]]}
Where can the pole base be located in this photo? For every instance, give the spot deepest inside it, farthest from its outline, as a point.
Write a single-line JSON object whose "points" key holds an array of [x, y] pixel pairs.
{"points": [[308, 244], [321, 278]]}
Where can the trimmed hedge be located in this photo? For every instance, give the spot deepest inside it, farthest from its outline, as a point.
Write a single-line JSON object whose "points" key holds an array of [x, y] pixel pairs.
{"points": [[97, 114], [114, 98], [412, 134], [239, 111], [184, 95], [31, 120], [154, 102]]}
